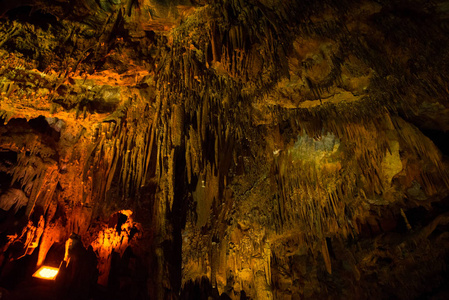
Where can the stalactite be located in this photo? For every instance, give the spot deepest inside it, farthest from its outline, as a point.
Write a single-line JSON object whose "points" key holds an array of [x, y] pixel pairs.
{"points": [[331, 167]]}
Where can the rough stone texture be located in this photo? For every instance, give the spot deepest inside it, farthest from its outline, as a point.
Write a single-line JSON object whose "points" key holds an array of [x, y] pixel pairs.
{"points": [[237, 148]]}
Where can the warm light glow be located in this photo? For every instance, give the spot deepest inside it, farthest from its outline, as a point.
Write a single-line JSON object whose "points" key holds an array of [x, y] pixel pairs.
{"points": [[46, 273]]}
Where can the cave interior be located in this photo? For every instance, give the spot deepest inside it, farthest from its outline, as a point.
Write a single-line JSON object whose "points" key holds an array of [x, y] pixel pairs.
{"points": [[224, 149]]}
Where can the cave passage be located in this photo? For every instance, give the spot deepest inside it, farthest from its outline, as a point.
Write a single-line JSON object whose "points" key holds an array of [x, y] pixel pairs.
{"points": [[229, 149]]}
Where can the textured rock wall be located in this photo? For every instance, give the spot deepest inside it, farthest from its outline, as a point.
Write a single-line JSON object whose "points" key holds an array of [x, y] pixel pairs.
{"points": [[265, 149]]}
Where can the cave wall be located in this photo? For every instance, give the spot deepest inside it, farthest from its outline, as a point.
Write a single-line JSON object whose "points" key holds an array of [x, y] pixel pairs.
{"points": [[260, 149]]}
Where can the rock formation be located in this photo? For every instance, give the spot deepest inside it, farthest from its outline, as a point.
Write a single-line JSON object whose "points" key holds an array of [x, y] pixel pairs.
{"points": [[242, 149]]}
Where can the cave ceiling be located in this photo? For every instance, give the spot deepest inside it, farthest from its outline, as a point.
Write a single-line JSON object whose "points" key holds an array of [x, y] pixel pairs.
{"points": [[259, 149]]}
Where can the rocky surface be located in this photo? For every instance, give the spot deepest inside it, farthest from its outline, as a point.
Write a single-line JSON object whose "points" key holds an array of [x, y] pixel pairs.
{"points": [[235, 148]]}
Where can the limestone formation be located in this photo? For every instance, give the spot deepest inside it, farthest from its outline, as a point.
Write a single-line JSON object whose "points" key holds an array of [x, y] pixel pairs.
{"points": [[235, 149]]}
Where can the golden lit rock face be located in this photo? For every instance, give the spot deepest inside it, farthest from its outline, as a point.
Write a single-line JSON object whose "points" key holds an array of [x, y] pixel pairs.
{"points": [[115, 239], [273, 149]]}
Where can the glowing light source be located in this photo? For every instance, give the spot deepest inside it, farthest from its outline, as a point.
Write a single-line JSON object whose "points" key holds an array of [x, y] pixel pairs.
{"points": [[45, 272]]}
